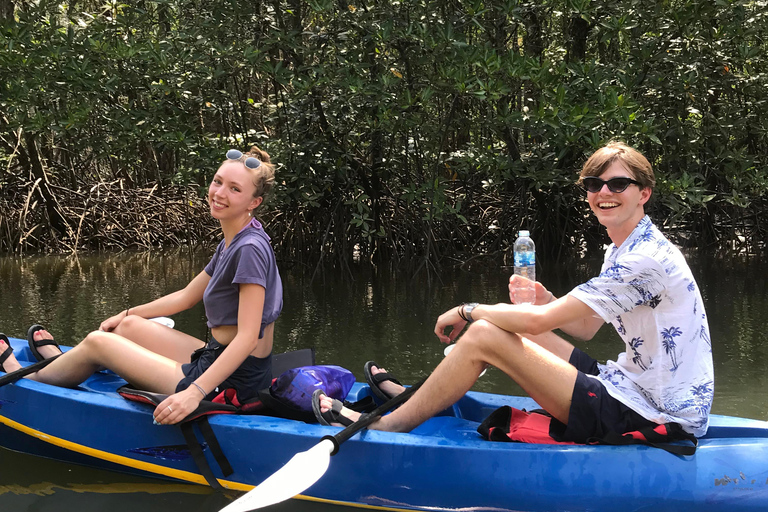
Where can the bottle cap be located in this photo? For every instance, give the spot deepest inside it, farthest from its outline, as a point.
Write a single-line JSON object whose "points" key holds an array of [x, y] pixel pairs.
{"points": [[523, 232]]}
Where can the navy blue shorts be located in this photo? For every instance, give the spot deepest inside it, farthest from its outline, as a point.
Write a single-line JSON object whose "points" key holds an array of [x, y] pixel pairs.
{"points": [[251, 377], [593, 411]]}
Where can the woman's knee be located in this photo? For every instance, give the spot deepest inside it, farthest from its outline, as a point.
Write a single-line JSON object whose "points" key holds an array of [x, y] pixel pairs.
{"points": [[96, 342], [130, 324]]}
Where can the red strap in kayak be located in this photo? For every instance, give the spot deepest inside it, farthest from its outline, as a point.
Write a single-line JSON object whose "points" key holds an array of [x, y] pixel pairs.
{"points": [[509, 424]]}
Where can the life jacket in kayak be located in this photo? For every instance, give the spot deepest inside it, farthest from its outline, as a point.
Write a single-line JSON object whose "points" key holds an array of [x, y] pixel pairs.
{"points": [[509, 424]]}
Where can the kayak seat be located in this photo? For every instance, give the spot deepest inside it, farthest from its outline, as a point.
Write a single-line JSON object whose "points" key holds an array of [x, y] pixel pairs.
{"points": [[227, 402]]}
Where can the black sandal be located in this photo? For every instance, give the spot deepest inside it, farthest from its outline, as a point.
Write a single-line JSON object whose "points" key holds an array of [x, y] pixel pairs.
{"points": [[374, 381], [34, 344], [332, 416], [7, 352]]}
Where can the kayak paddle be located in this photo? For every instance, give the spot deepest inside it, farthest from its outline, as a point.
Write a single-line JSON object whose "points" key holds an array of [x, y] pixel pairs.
{"points": [[21, 372], [306, 468]]}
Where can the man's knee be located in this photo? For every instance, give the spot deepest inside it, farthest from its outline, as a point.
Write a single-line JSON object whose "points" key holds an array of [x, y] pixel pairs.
{"points": [[485, 336]]}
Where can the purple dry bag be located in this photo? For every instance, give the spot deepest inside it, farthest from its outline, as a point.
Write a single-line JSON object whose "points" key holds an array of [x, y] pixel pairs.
{"points": [[295, 386]]}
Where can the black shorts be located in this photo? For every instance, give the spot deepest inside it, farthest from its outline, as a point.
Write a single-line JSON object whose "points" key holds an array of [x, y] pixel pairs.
{"points": [[251, 377], [593, 411]]}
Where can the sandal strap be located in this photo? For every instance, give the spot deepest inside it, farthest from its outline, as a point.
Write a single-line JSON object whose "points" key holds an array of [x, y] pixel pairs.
{"points": [[6, 354], [42, 343], [335, 411], [384, 377]]}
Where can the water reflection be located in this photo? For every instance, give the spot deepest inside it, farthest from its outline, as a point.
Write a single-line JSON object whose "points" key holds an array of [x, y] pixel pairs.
{"points": [[49, 486], [377, 315]]}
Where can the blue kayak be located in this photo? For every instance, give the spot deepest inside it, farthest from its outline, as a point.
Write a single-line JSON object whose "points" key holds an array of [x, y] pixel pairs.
{"points": [[441, 465]]}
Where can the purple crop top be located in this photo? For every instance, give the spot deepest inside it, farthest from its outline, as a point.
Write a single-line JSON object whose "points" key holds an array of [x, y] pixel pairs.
{"points": [[248, 259]]}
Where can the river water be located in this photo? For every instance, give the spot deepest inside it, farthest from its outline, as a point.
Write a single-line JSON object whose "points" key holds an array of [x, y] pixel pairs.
{"points": [[349, 317]]}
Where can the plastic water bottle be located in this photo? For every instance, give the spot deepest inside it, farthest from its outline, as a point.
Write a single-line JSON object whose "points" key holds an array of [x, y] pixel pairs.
{"points": [[525, 265]]}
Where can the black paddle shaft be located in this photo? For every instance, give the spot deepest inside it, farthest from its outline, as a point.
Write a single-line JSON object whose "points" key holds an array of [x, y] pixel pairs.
{"points": [[367, 419], [21, 372]]}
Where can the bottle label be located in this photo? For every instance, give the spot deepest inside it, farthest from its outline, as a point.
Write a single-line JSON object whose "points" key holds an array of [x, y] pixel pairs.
{"points": [[524, 259]]}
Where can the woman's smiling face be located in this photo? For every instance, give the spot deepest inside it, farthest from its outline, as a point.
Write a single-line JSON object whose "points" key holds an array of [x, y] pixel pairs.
{"points": [[230, 194], [619, 212]]}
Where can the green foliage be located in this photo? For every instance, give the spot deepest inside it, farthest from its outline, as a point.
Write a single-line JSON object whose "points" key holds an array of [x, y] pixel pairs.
{"points": [[421, 131]]}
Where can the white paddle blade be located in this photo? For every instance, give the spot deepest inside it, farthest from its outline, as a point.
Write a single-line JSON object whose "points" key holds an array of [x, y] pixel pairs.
{"points": [[298, 475], [448, 351], [164, 320]]}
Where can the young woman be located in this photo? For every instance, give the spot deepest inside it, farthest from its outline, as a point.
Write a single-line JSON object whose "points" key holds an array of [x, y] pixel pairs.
{"points": [[645, 290], [242, 293]]}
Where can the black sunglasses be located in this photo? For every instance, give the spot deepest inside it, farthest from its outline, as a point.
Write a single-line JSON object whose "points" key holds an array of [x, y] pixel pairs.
{"points": [[250, 162], [616, 185]]}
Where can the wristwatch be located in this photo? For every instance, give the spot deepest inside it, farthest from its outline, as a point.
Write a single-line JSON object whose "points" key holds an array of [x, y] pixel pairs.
{"points": [[468, 311]]}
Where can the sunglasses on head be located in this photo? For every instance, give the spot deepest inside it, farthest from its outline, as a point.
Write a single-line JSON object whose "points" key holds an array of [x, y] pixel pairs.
{"points": [[615, 185], [250, 162]]}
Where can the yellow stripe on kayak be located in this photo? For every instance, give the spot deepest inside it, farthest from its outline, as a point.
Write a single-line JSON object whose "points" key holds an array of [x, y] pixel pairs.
{"points": [[119, 459], [162, 470]]}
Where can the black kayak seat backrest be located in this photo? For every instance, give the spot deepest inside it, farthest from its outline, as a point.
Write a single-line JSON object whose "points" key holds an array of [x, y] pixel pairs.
{"points": [[290, 360]]}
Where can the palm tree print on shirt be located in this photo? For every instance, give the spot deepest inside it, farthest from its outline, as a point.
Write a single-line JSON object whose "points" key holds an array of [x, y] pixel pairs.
{"points": [[616, 271], [668, 342], [645, 236], [634, 344], [702, 395]]}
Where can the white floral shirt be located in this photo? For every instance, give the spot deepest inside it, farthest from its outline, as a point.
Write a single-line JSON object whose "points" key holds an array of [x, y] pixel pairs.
{"points": [[646, 290]]}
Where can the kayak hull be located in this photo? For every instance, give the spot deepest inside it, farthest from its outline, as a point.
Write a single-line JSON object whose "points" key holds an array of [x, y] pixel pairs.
{"points": [[441, 465]]}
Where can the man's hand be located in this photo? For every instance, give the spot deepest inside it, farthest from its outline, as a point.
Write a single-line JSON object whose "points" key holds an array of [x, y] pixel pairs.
{"points": [[452, 319], [516, 282]]}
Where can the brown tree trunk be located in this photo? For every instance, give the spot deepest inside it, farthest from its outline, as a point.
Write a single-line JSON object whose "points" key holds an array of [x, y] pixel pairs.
{"points": [[6, 9], [578, 30], [31, 160]]}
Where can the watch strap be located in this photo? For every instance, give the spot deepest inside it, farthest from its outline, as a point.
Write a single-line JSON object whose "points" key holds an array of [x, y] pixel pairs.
{"points": [[468, 311]]}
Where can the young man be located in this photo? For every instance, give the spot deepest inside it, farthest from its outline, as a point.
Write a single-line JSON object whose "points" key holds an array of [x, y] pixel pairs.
{"points": [[645, 289]]}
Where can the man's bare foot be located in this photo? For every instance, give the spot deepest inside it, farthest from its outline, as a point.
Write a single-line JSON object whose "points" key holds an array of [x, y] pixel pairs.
{"points": [[10, 364], [389, 387], [47, 351], [383, 385]]}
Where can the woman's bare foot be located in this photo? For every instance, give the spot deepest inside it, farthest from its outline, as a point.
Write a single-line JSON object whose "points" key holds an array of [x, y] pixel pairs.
{"points": [[326, 404], [47, 351], [10, 364]]}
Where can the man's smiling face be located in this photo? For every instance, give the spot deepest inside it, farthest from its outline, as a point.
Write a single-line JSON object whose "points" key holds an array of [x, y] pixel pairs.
{"points": [[618, 211]]}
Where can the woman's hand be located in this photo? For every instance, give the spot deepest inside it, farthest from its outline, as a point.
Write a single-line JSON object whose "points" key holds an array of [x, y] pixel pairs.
{"points": [[450, 318], [516, 282], [177, 406], [111, 323]]}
